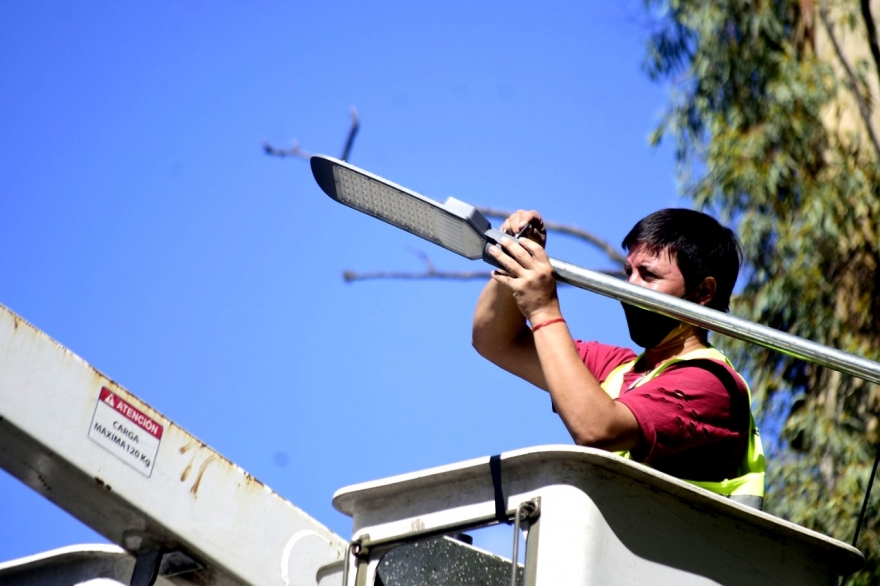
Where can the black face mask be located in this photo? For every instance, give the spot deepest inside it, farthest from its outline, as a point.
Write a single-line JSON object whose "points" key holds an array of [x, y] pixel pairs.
{"points": [[646, 328]]}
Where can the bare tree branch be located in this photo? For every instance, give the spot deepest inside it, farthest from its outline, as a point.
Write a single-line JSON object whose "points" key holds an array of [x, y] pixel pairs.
{"points": [[295, 151], [431, 273], [350, 276], [610, 251], [851, 80]]}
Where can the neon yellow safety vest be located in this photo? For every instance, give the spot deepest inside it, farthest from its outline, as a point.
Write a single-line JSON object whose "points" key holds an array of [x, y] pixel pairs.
{"points": [[748, 487]]}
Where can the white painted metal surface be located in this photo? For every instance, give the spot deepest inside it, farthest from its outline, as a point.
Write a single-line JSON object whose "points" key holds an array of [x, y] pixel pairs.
{"points": [[603, 520], [100, 453], [81, 564]]}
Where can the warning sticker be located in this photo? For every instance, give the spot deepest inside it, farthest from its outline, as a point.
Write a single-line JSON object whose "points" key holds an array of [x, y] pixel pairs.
{"points": [[125, 432]]}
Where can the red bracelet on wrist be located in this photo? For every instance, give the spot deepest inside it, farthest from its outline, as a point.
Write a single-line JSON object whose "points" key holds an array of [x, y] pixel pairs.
{"points": [[537, 327]]}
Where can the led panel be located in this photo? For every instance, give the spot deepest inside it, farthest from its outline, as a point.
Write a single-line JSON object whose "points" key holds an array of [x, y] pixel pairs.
{"points": [[385, 202], [409, 211]]}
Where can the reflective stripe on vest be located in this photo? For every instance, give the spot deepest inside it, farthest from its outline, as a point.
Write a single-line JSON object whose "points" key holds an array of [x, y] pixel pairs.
{"points": [[748, 488]]}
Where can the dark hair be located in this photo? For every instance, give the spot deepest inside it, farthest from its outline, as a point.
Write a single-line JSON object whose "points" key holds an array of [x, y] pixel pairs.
{"points": [[700, 245]]}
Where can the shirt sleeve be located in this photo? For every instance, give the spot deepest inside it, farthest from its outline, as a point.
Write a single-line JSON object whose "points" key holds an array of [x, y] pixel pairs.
{"points": [[688, 406], [601, 359]]}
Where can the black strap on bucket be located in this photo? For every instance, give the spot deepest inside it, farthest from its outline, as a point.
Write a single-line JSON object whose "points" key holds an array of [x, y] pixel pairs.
{"points": [[500, 497]]}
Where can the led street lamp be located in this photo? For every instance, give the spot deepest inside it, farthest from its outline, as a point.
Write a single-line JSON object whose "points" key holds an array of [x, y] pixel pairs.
{"points": [[454, 225]]}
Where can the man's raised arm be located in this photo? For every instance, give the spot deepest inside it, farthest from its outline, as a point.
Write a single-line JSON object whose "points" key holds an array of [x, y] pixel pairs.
{"points": [[500, 333]]}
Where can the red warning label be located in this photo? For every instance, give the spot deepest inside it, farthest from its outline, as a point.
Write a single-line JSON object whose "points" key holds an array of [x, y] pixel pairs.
{"points": [[147, 424]]}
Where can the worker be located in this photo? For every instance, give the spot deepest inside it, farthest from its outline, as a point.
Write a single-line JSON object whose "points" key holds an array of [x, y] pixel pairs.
{"points": [[679, 406]]}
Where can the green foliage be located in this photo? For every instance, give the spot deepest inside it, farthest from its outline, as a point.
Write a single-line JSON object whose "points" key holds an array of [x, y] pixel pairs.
{"points": [[751, 113]]}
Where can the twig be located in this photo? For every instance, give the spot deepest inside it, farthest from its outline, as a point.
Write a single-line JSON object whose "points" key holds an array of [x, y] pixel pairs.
{"points": [[349, 276], [295, 151], [352, 132], [852, 83], [429, 273], [610, 251]]}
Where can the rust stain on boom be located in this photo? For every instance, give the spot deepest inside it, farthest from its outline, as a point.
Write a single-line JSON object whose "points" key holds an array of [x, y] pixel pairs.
{"points": [[195, 487]]}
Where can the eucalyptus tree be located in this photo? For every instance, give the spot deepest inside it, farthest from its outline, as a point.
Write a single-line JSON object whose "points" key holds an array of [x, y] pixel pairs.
{"points": [[770, 111]]}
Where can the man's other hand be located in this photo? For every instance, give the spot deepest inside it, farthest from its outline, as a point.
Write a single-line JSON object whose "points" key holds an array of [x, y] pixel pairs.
{"points": [[529, 223]]}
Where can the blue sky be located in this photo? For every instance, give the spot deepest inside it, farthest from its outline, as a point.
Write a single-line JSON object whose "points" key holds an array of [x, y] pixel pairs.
{"points": [[145, 229]]}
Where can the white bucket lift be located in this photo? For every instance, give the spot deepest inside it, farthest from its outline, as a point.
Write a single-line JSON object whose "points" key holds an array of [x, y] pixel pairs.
{"points": [[591, 518]]}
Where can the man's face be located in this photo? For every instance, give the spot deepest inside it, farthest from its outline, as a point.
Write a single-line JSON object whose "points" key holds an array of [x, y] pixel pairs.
{"points": [[657, 271]]}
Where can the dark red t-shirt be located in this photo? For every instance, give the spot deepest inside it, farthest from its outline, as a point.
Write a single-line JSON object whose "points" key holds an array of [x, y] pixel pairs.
{"points": [[694, 417]]}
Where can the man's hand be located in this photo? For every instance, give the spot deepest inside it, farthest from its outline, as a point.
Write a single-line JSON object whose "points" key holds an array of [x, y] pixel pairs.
{"points": [[530, 224], [528, 274]]}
